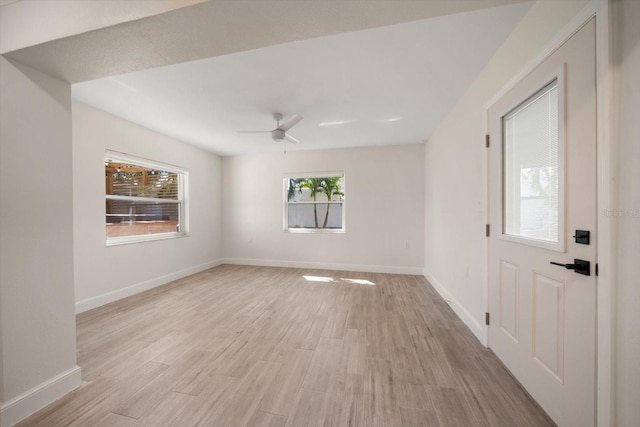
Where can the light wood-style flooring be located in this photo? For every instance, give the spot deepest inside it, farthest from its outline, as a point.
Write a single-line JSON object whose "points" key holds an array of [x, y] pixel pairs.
{"points": [[258, 346]]}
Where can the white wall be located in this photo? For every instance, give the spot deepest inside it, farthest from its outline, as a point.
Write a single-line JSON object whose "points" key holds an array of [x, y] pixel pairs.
{"points": [[384, 210], [37, 324], [454, 160], [104, 274], [627, 214]]}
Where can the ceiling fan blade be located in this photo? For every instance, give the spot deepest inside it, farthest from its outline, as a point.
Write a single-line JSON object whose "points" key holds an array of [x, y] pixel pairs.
{"points": [[291, 122], [253, 131], [291, 139]]}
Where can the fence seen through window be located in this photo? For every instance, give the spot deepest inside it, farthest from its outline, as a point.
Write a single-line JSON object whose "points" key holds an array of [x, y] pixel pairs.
{"points": [[315, 203], [143, 201]]}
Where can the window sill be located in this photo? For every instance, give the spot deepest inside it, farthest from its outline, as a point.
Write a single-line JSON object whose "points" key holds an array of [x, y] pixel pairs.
{"points": [[125, 240], [315, 230]]}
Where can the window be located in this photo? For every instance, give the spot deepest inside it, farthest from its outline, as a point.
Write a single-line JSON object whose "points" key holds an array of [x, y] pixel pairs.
{"points": [[314, 203], [533, 172], [145, 200]]}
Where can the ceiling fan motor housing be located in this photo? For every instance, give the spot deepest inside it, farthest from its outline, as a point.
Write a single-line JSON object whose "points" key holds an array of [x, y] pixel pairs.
{"points": [[278, 135]]}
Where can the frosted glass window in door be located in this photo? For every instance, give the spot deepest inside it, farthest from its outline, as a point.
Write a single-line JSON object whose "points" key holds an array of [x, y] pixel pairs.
{"points": [[532, 168]]}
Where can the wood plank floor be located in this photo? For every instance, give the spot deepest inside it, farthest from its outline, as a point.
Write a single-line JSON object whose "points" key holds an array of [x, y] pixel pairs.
{"points": [[259, 346]]}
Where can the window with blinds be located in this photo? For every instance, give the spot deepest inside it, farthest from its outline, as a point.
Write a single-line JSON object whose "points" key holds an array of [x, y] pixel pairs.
{"points": [[144, 200], [533, 184]]}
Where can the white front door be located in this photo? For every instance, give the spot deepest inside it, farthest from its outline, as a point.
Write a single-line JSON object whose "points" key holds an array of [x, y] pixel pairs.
{"points": [[542, 185]]}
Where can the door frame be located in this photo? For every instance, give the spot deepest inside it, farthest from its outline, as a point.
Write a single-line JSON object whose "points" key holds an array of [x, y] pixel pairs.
{"points": [[606, 149]]}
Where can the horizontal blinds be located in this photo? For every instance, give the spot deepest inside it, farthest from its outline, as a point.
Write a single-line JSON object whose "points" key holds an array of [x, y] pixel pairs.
{"points": [[138, 181], [119, 211], [144, 201]]}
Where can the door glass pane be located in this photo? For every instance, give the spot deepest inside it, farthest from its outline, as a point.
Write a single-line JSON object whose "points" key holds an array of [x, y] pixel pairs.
{"points": [[531, 168]]}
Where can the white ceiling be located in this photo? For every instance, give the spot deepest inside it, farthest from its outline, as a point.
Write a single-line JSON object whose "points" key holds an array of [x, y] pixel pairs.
{"points": [[387, 85]]}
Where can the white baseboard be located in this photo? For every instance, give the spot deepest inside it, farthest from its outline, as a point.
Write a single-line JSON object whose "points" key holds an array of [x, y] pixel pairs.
{"points": [[27, 403], [476, 327], [100, 300], [416, 271]]}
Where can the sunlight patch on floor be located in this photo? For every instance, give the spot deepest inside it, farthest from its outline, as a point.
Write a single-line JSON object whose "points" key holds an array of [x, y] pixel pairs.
{"points": [[318, 279], [330, 279], [359, 281]]}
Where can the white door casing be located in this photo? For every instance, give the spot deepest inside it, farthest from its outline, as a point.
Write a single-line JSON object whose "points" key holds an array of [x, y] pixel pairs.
{"points": [[543, 316]]}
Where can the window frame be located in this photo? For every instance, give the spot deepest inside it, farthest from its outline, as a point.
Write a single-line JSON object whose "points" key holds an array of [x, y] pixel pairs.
{"points": [[306, 175], [182, 201]]}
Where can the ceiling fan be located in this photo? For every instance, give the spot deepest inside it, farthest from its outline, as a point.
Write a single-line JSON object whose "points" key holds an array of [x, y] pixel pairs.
{"points": [[279, 134]]}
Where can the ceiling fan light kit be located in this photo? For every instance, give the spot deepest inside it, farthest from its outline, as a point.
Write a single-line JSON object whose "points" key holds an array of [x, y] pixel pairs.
{"points": [[278, 134]]}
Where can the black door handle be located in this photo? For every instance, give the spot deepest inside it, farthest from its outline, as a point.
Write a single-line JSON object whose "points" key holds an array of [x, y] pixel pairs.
{"points": [[567, 266], [580, 266]]}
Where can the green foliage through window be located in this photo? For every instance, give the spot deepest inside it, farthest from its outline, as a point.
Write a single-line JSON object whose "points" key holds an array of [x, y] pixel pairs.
{"points": [[315, 203]]}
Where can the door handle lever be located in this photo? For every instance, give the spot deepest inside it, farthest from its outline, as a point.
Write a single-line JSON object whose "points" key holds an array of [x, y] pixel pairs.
{"points": [[580, 266], [567, 266]]}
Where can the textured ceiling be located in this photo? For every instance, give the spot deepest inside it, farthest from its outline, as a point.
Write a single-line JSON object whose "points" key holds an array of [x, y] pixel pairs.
{"points": [[27, 23], [362, 72], [218, 27], [381, 86]]}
